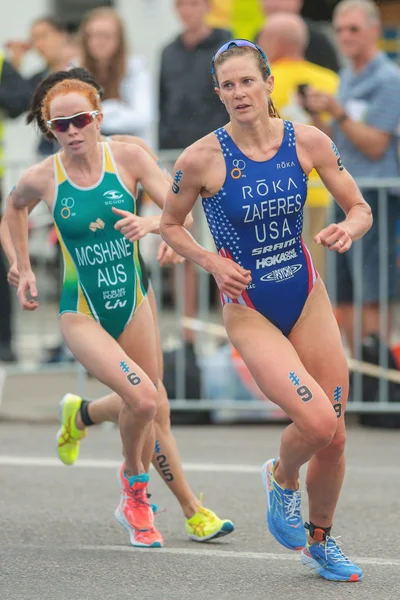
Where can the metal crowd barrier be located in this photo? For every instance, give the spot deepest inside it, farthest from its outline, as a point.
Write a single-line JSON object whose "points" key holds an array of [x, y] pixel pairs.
{"points": [[206, 324], [359, 368]]}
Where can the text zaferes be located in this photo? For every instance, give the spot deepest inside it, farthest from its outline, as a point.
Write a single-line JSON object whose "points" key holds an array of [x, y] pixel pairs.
{"points": [[286, 201]]}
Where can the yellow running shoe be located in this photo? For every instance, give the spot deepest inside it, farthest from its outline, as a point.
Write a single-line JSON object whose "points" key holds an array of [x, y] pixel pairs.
{"points": [[69, 436], [205, 525]]}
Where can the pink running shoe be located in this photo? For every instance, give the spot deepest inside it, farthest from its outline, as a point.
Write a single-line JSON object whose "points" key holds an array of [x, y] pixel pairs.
{"points": [[134, 513]]}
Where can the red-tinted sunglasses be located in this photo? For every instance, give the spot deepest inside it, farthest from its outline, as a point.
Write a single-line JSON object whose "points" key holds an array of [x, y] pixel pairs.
{"points": [[80, 120]]}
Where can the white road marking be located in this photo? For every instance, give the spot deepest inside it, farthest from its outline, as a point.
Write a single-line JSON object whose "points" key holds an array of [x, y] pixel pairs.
{"points": [[238, 469], [205, 552], [208, 552], [40, 461]]}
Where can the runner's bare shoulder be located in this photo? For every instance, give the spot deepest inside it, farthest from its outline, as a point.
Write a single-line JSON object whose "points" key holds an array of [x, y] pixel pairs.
{"points": [[203, 155], [36, 182]]}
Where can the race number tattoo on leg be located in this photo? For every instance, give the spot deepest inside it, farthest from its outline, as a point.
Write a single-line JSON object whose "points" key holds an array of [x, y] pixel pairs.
{"points": [[132, 377], [337, 395], [177, 178], [302, 391], [163, 463], [339, 160]]}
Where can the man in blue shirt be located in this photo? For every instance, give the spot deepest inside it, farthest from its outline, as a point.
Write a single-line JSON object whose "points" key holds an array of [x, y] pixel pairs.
{"points": [[365, 124]]}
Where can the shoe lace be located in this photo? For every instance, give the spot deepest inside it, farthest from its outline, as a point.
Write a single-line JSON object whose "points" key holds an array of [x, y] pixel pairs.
{"points": [[333, 551], [292, 501], [154, 507], [66, 436], [204, 511], [137, 496]]}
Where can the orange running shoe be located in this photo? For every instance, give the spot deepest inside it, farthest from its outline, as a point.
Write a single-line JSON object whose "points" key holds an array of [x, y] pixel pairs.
{"points": [[134, 513], [145, 539]]}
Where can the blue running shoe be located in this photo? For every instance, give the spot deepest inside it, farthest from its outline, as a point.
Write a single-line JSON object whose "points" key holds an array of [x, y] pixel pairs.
{"points": [[327, 559], [283, 510]]}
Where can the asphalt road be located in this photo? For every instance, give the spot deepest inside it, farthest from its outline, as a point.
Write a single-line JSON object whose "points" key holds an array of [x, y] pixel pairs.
{"points": [[59, 539]]}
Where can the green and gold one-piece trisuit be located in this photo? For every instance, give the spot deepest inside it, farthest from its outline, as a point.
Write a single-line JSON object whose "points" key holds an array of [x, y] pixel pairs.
{"points": [[103, 277]]}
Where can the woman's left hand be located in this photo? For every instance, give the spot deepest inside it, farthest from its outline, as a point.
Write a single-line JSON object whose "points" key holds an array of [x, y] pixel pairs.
{"points": [[335, 238], [167, 256], [132, 227]]}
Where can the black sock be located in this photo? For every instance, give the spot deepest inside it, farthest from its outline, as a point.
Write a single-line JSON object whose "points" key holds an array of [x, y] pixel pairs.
{"points": [[319, 534], [87, 421]]}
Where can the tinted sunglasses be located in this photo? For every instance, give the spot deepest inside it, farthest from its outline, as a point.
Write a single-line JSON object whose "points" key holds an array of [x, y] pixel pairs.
{"points": [[239, 43], [80, 120]]}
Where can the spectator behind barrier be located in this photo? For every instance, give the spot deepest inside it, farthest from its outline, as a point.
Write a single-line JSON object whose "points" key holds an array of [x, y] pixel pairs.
{"points": [[50, 40], [128, 105], [14, 100], [188, 105], [320, 49], [284, 40], [365, 120]]}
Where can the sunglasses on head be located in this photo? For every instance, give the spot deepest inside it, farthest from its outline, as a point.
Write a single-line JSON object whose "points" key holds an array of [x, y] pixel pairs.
{"points": [[80, 120], [239, 43], [351, 28]]}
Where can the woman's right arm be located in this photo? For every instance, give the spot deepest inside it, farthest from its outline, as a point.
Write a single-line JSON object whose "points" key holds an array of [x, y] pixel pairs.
{"points": [[231, 278], [21, 198], [180, 200], [6, 242], [7, 245]]}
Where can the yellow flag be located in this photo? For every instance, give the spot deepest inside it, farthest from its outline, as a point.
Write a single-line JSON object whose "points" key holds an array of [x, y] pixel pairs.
{"points": [[247, 18], [243, 17], [221, 14]]}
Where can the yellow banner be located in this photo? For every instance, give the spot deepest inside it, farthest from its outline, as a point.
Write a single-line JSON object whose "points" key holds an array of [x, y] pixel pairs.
{"points": [[247, 18], [243, 17], [221, 14]]}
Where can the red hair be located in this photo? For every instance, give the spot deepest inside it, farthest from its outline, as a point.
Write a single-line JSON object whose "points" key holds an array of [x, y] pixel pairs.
{"points": [[67, 87]]}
